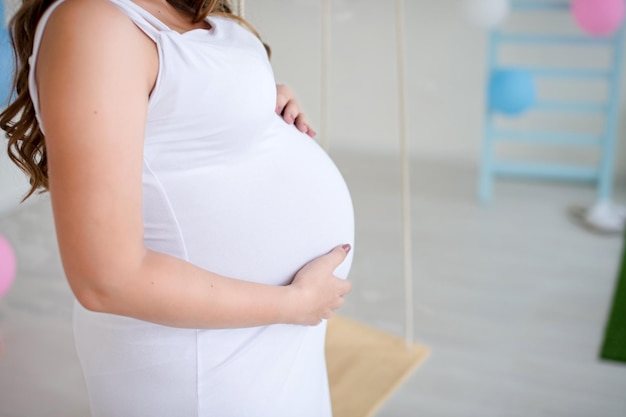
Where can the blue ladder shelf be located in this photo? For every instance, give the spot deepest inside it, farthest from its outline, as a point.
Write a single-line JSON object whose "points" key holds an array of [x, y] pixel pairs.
{"points": [[602, 174]]}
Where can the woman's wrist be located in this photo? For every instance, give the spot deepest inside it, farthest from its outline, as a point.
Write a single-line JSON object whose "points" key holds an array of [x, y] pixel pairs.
{"points": [[291, 306]]}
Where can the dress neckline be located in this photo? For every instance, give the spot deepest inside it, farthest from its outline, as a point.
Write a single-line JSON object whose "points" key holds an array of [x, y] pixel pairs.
{"points": [[202, 32]]}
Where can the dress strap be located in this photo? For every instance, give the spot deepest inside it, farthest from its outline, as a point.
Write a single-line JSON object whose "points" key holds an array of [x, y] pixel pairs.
{"points": [[32, 85], [146, 21]]}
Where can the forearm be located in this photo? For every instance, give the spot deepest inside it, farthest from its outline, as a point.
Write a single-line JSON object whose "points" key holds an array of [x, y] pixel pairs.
{"points": [[169, 291]]}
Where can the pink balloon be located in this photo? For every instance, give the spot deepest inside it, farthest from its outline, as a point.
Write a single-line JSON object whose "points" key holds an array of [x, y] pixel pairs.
{"points": [[8, 266], [599, 17]]}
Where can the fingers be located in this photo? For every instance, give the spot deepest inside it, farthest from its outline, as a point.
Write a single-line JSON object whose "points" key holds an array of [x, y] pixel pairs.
{"points": [[289, 108], [345, 287], [336, 256], [339, 301], [281, 102], [292, 115], [337, 304], [283, 96], [303, 125], [317, 284], [291, 111]]}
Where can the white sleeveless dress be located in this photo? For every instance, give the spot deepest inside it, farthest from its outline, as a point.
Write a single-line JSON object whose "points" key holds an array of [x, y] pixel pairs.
{"points": [[232, 188]]}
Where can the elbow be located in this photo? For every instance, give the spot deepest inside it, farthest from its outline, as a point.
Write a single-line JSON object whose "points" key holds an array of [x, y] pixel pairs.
{"points": [[91, 300], [103, 284], [104, 287], [96, 295]]}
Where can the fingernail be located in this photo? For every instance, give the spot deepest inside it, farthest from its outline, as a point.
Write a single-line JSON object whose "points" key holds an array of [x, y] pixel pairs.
{"points": [[346, 248]]}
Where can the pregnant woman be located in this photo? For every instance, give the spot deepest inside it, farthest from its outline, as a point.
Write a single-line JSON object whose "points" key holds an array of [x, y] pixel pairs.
{"points": [[205, 239]]}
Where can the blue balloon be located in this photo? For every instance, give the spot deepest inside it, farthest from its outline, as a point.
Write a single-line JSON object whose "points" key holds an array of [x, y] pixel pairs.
{"points": [[6, 60], [511, 91]]}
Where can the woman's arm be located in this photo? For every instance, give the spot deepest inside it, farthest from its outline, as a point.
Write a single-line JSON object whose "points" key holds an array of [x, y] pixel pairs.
{"points": [[95, 70]]}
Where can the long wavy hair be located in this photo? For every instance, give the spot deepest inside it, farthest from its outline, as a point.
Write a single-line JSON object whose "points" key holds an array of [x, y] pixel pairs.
{"points": [[26, 146]]}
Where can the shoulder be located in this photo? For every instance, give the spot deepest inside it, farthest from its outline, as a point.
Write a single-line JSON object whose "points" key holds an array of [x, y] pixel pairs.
{"points": [[88, 17], [98, 24], [93, 36]]}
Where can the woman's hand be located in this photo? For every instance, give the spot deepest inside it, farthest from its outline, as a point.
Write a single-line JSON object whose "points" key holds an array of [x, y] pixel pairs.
{"points": [[288, 107], [317, 291]]}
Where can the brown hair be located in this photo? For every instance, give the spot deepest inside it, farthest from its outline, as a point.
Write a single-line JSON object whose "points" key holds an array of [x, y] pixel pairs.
{"points": [[26, 147]]}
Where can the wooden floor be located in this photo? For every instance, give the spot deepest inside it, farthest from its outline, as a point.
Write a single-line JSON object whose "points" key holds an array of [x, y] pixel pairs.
{"points": [[511, 298]]}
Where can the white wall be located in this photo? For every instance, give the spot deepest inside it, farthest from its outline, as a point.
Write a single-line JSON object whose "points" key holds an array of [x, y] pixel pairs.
{"points": [[446, 71]]}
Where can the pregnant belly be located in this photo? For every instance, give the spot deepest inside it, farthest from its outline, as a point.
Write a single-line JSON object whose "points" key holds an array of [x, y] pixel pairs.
{"points": [[263, 214]]}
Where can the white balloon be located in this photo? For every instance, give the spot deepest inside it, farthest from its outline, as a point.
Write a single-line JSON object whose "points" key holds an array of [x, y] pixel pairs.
{"points": [[487, 13]]}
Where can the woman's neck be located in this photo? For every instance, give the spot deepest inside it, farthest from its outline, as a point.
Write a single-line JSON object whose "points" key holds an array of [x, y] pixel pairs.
{"points": [[172, 17]]}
